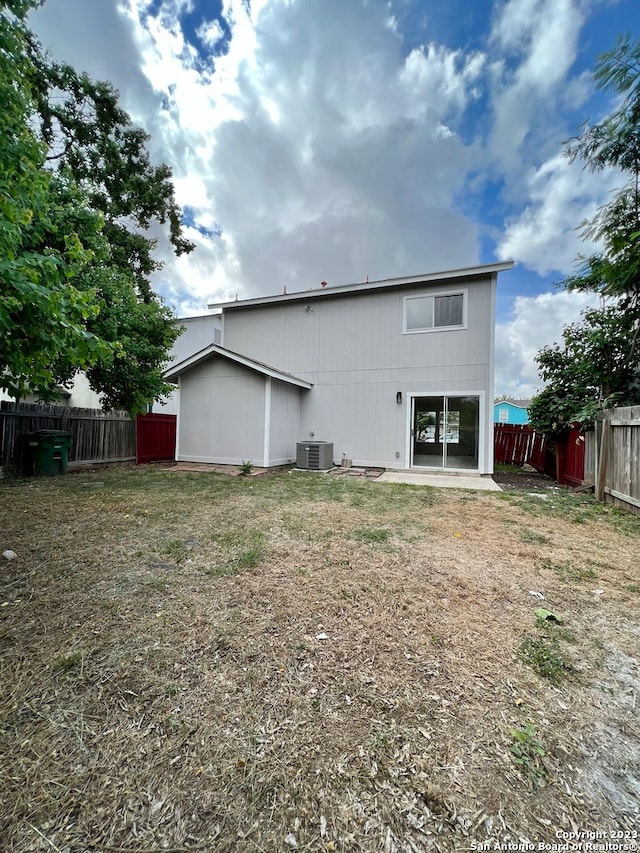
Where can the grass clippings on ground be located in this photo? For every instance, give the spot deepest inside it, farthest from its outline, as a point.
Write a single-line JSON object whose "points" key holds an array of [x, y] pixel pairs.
{"points": [[198, 662]]}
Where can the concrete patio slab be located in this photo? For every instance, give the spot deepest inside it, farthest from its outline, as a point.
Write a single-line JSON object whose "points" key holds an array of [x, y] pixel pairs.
{"points": [[441, 481]]}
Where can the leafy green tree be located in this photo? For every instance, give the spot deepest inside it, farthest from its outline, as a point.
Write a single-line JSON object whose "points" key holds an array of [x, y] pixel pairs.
{"points": [[599, 365], [615, 142], [42, 309], [90, 137], [140, 331], [95, 195], [588, 373]]}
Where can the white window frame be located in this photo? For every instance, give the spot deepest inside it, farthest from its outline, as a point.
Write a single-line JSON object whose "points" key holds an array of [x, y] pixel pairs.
{"points": [[433, 295]]}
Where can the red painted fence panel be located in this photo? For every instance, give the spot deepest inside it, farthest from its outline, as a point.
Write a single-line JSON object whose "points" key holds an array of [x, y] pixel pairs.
{"points": [[572, 473], [155, 438], [542, 455], [512, 443], [516, 444]]}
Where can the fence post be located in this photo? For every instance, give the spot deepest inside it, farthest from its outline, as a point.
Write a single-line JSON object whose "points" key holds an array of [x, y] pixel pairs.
{"points": [[603, 459], [561, 459]]}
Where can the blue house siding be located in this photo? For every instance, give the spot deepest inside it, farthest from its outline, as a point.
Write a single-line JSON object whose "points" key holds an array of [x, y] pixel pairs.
{"points": [[505, 412]]}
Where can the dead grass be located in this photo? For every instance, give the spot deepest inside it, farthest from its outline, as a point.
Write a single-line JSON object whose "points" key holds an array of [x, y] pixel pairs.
{"points": [[195, 662]]}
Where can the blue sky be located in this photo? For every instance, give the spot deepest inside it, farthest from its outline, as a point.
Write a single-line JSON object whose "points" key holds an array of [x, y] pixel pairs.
{"points": [[337, 140]]}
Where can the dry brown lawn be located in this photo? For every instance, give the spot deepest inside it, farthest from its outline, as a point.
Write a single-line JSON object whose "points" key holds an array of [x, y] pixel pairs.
{"points": [[193, 662]]}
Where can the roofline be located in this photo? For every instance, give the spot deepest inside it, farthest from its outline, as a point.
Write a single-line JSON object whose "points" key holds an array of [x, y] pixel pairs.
{"points": [[511, 403], [195, 317], [214, 349], [465, 272]]}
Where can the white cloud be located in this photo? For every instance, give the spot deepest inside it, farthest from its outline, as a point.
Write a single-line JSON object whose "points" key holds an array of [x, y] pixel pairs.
{"points": [[321, 151], [318, 146], [532, 48], [537, 322], [536, 43], [439, 80], [326, 150], [546, 235], [211, 33], [72, 35]]}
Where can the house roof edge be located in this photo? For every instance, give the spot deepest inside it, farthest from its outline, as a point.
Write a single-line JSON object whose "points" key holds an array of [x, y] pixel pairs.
{"points": [[215, 349], [463, 272]]}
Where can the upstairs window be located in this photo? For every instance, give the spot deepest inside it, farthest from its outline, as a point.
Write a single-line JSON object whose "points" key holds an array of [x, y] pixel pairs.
{"points": [[439, 311]]}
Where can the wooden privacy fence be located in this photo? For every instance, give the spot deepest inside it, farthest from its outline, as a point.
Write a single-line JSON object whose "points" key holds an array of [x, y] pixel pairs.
{"points": [[570, 458], [564, 459], [606, 457], [518, 444], [613, 450], [97, 436], [515, 444]]}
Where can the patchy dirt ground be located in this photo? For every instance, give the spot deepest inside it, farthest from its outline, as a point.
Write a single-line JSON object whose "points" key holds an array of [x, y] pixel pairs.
{"points": [[519, 479], [198, 662]]}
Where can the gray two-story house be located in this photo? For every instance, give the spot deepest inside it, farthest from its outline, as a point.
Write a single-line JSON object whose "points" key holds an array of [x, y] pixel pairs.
{"points": [[395, 373]]}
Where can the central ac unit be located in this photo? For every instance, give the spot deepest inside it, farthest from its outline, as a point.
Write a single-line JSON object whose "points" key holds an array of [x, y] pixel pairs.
{"points": [[314, 455]]}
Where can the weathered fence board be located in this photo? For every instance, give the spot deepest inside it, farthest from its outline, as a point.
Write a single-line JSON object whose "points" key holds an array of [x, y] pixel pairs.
{"points": [[615, 449], [542, 456], [97, 436]]}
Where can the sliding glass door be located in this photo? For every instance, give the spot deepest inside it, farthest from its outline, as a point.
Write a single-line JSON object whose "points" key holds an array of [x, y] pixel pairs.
{"points": [[445, 432]]}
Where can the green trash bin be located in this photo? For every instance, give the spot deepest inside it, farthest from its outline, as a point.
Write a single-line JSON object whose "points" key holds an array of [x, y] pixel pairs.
{"points": [[48, 452]]}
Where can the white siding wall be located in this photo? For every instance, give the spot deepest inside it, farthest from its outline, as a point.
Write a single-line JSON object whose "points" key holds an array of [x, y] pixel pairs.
{"points": [[82, 395], [221, 415], [354, 352], [285, 422], [198, 333]]}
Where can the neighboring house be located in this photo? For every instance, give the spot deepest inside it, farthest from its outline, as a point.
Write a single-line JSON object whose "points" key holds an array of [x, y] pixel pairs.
{"points": [[511, 412], [395, 373], [78, 395], [197, 332]]}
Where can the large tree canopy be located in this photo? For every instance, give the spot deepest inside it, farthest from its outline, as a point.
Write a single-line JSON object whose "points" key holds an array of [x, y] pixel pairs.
{"points": [[615, 142], [90, 137], [591, 371], [599, 365], [78, 193], [43, 311]]}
